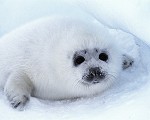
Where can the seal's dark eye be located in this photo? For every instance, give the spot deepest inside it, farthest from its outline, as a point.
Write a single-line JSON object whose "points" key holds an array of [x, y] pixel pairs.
{"points": [[78, 60], [103, 57]]}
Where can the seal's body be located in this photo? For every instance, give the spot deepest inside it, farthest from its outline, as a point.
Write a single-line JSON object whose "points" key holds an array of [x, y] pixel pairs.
{"points": [[57, 58]]}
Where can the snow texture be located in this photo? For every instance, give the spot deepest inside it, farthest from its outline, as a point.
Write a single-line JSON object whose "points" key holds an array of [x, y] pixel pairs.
{"points": [[129, 97]]}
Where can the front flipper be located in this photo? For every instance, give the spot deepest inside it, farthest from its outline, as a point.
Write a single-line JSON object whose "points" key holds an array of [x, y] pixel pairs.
{"points": [[127, 62], [18, 89]]}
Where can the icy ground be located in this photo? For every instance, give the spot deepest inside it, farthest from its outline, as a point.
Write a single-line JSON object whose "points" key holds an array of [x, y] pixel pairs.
{"points": [[128, 98]]}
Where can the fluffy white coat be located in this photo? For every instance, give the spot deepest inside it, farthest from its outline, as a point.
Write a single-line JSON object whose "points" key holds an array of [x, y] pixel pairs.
{"points": [[36, 59]]}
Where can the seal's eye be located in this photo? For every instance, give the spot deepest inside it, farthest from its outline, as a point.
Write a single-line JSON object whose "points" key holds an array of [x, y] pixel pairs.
{"points": [[103, 57], [78, 60]]}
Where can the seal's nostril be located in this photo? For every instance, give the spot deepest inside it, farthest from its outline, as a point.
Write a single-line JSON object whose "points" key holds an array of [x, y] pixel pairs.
{"points": [[94, 71]]}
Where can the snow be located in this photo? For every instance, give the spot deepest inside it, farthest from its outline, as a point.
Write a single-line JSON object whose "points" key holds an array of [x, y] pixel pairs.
{"points": [[128, 98], [128, 15]]}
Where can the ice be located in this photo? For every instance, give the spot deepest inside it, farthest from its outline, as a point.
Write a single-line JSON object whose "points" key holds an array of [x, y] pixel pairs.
{"points": [[129, 22]]}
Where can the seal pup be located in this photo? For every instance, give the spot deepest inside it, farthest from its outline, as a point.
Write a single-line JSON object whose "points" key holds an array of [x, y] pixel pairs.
{"points": [[58, 58]]}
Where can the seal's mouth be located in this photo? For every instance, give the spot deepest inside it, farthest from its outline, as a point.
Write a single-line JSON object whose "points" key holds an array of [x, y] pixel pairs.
{"points": [[92, 82]]}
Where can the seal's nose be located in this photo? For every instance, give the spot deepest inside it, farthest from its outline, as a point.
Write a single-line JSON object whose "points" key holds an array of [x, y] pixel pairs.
{"points": [[94, 71], [95, 74]]}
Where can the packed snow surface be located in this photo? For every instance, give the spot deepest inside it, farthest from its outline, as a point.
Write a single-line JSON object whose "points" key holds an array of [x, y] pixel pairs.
{"points": [[129, 22]]}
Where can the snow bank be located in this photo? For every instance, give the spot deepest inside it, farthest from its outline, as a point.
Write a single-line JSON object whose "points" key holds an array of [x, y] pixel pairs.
{"points": [[128, 98], [132, 16]]}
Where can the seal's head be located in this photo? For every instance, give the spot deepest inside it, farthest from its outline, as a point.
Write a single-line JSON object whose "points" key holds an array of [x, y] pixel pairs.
{"points": [[93, 62], [90, 60]]}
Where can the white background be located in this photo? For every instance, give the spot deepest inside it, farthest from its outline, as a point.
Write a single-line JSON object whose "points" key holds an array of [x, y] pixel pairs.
{"points": [[127, 99]]}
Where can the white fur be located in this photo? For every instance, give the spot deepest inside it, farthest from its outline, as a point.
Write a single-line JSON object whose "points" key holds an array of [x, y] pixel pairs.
{"points": [[36, 59]]}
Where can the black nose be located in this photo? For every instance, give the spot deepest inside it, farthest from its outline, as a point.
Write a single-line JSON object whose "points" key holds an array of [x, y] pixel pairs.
{"points": [[95, 74]]}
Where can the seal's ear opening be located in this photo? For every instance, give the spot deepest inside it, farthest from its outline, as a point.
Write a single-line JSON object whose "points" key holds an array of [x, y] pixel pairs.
{"points": [[127, 61]]}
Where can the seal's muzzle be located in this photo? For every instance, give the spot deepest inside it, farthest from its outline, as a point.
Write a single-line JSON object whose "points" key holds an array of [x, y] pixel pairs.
{"points": [[95, 75]]}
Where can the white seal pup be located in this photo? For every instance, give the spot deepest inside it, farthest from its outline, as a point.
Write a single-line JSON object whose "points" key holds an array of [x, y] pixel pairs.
{"points": [[58, 58]]}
